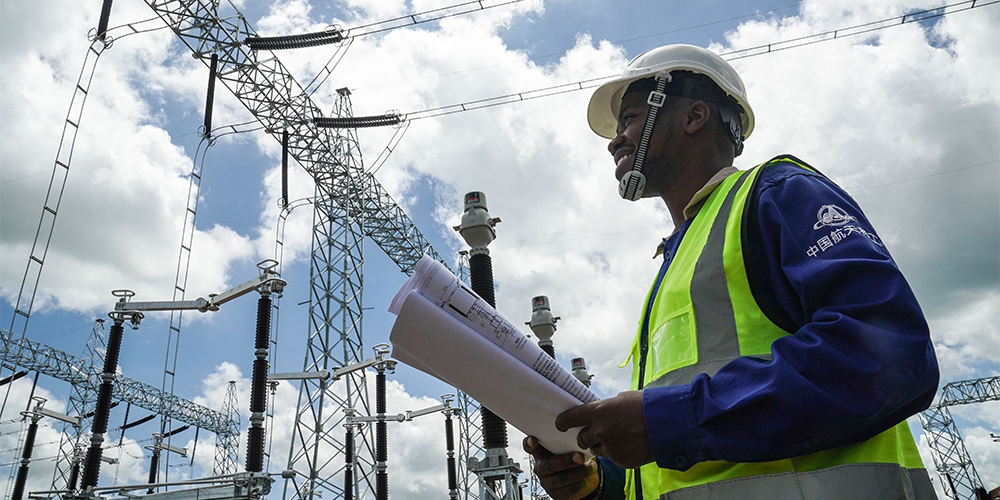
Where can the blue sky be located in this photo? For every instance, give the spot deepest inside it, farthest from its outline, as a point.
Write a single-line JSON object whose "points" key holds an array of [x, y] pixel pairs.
{"points": [[905, 119]]}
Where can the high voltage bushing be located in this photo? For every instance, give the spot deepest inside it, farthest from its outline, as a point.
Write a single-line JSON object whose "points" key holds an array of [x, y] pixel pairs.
{"points": [[258, 389], [481, 274], [385, 120], [304, 40], [477, 230]]}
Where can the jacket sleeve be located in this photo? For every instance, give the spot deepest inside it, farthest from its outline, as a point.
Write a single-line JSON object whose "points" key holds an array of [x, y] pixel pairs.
{"points": [[860, 361]]}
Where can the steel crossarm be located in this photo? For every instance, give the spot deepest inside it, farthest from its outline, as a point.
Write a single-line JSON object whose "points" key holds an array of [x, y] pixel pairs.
{"points": [[971, 391]]}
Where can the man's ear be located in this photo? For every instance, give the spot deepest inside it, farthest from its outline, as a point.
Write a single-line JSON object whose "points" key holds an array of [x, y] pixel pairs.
{"points": [[696, 116]]}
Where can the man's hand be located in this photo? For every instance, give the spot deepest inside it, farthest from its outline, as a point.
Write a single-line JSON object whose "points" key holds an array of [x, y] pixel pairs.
{"points": [[614, 428], [565, 476]]}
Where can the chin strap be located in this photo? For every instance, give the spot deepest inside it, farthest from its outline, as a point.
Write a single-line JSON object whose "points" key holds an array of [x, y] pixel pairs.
{"points": [[633, 182]]}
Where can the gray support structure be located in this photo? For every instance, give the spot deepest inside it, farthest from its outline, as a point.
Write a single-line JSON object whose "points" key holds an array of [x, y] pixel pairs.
{"points": [[350, 205], [60, 365], [225, 463], [335, 339], [959, 478], [275, 98], [82, 399]]}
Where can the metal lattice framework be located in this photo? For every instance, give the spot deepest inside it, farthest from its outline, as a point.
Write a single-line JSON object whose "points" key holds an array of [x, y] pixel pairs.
{"points": [[225, 463], [351, 204], [319, 442], [38, 357], [82, 401], [951, 458]]}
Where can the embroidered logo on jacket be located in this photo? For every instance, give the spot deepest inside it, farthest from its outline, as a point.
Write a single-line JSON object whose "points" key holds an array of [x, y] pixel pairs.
{"points": [[832, 215]]}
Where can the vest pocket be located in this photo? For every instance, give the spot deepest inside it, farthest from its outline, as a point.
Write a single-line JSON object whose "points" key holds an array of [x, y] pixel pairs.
{"points": [[673, 344]]}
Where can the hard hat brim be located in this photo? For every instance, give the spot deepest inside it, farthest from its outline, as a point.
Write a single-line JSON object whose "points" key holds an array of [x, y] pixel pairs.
{"points": [[605, 103]]}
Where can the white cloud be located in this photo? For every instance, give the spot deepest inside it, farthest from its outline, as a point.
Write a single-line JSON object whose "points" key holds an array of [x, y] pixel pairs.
{"points": [[877, 114]]}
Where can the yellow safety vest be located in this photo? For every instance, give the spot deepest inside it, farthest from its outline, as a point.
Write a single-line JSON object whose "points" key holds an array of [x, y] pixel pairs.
{"points": [[704, 316]]}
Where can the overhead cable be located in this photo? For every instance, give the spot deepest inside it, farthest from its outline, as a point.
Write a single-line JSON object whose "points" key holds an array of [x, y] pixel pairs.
{"points": [[825, 36], [334, 34], [412, 19]]}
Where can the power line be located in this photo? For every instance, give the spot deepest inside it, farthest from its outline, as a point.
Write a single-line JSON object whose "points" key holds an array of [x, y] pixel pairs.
{"points": [[411, 19], [554, 54], [825, 36], [929, 175]]}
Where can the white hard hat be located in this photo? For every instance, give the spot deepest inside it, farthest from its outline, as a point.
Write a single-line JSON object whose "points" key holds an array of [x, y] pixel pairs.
{"points": [[607, 99]]}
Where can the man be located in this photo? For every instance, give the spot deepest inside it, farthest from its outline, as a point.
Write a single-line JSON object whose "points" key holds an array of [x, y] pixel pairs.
{"points": [[779, 350]]}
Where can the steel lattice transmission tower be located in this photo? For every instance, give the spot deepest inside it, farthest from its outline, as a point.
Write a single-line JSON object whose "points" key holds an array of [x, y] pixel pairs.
{"points": [[319, 440], [228, 445], [352, 206], [951, 458], [82, 401]]}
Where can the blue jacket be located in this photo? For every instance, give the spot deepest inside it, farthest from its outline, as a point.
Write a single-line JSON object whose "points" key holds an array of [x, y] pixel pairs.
{"points": [[852, 314]]}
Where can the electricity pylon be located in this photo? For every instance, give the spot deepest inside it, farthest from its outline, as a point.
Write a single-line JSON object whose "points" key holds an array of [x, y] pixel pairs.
{"points": [[351, 206]]}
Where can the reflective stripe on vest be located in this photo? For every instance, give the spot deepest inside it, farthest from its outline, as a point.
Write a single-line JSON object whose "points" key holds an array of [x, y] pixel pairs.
{"points": [[704, 316], [853, 482]]}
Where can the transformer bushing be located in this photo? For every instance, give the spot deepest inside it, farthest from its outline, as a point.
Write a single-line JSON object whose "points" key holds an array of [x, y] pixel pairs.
{"points": [[477, 229]]}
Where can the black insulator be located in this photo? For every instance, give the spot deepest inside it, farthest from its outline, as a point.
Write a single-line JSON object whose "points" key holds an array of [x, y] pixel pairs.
{"points": [[359, 121], [452, 475], [381, 435], [349, 447], [481, 275], [258, 391], [22, 477], [380, 392], [210, 99], [102, 24], [255, 449], [92, 466], [263, 322], [349, 465], [7, 380], [74, 476], [284, 168], [22, 472], [348, 484], [382, 451], [381, 485], [29, 441], [100, 425], [549, 349], [494, 430], [294, 41], [142, 420], [154, 466], [449, 430], [114, 347]]}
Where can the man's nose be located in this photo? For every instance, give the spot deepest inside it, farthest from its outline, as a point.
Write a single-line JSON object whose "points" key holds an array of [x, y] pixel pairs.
{"points": [[613, 145]]}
